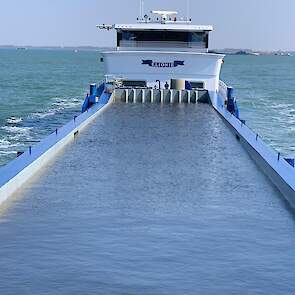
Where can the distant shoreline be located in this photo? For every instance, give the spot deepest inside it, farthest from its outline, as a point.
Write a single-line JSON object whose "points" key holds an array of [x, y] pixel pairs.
{"points": [[227, 51], [53, 47]]}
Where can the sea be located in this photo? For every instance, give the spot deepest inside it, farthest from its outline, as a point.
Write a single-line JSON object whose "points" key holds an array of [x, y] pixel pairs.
{"points": [[148, 199], [41, 90]]}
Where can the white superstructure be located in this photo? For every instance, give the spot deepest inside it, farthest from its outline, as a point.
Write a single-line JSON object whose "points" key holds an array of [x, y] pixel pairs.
{"points": [[162, 47]]}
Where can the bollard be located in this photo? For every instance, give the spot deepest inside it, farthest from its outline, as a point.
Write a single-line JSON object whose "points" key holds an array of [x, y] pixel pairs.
{"points": [[93, 89], [30, 150], [230, 92], [18, 154], [257, 136], [75, 117], [279, 155], [56, 130]]}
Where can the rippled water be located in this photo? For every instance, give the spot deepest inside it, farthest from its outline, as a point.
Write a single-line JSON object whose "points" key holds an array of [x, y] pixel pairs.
{"points": [[266, 91], [40, 90], [149, 199]]}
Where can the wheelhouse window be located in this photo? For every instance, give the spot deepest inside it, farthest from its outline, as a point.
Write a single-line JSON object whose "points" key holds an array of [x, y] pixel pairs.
{"points": [[197, 84], [154, 38]]}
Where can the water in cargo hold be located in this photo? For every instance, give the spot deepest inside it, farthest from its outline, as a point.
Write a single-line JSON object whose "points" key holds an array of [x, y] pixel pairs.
{"points": [[149, 199]]}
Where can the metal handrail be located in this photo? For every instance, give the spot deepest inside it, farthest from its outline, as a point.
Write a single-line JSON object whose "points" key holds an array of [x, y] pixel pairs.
{"points": [[222, 88]]}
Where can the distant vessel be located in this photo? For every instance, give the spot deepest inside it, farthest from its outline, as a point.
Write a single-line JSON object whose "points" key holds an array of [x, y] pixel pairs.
{"points": [[21, 48], [283, 54]]}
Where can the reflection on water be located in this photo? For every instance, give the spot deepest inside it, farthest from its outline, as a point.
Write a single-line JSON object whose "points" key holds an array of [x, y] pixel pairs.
{"points": [[150, 199]]}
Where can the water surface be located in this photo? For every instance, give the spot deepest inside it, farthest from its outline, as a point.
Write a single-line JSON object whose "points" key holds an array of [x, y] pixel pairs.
{"points": [[149, 199], [40, 90], [266, 95]]}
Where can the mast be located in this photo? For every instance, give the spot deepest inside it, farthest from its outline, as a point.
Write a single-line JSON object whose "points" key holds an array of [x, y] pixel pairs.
{"points": [[141, 9], [187, 9]]}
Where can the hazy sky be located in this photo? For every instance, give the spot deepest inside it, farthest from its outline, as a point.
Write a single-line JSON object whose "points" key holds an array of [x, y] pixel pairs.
{"points": [[257, 24]]}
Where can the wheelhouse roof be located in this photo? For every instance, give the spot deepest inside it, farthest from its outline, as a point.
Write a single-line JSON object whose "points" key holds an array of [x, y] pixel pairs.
{"points": [[168, 26]]}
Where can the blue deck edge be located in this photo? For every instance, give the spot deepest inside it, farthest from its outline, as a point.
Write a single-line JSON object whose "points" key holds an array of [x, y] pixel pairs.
{"points": [[277, 168]]}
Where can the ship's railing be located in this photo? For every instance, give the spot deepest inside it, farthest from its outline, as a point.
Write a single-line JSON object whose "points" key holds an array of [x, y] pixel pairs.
{"points": [[222, 89], [162, 44], [279, 169]]}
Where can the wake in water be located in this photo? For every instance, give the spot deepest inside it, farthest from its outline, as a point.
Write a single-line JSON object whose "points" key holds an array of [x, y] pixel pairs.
{"points": [[20, 132], [34, 101], [13, 120]]}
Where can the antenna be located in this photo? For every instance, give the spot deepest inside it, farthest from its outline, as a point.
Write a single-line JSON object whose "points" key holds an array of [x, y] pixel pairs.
{"points": [[141, 9], [187, 9]]}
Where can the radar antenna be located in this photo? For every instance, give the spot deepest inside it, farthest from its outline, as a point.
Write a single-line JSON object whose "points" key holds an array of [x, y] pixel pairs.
{"points": [[187, 9], [164, 14], [141, 9]]}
